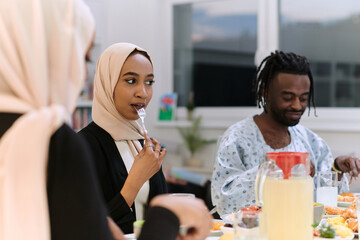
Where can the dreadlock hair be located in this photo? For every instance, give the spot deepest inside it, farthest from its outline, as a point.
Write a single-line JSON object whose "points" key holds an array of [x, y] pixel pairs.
{"points": [[280, 62]]}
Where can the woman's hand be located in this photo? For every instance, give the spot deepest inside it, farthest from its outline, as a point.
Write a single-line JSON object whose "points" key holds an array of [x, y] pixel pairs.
{"points": [[115, 230], [146, 164], [149, 160]]}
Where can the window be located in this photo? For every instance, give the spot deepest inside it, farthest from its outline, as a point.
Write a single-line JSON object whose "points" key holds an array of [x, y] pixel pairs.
{"points": [[214, 50], [325, 31], [328, 35]]}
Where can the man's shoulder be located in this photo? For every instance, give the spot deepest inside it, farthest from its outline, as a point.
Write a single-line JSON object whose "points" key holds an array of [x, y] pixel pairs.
{"points": [[241, 130], [243, 124]]}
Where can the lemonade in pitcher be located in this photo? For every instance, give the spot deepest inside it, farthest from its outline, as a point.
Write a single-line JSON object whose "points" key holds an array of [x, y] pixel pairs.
{"points": [[289, 214], [285, 191]]}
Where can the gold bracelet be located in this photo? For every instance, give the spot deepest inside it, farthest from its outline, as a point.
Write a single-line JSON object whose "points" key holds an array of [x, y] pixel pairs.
{"points": [[335, 169]]}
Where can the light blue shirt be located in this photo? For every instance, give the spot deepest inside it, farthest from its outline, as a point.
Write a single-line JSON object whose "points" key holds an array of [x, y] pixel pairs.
{"points": [[242, 149]]}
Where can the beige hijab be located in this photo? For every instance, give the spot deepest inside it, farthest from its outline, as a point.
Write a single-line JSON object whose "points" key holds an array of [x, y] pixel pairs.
{"points": [[104, 112], [42, 50]]}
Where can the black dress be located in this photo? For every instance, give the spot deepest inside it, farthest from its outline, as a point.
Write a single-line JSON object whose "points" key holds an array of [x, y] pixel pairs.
{"points": [[76, 208], [112, 174]]}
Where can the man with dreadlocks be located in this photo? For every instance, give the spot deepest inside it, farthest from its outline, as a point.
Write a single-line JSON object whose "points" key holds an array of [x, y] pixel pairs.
{"points": [[284, 88]]}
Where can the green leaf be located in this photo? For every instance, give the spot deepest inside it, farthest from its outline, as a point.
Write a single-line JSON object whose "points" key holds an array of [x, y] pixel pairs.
{"points": [[315, 224], [327, 232], [192, 138]]}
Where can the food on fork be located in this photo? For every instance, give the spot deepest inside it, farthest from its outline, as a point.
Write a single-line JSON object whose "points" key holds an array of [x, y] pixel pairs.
{"points": [[333, 210]]}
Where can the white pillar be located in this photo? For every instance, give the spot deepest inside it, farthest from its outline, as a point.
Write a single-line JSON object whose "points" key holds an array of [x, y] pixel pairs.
{"points": [[268, 29]]}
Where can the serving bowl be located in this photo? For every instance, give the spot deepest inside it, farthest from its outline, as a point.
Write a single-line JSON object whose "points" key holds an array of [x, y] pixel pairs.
{"points": [[318, 212]]}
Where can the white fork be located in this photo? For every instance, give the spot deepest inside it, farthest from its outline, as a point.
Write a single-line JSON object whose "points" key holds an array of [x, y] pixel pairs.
{"points": [[141, 112]]}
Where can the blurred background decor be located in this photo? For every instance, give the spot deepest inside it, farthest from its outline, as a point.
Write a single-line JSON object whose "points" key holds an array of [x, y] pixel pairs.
{"points": [[193, 142], [167, 107]]}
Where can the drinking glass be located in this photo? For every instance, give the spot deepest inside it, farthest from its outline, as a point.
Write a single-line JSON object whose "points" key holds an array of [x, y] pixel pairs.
{"points": [[326, 188], [250, 225], [357, 200]]}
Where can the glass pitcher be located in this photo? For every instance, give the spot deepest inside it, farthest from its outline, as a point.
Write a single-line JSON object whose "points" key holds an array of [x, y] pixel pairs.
{"points": [[285, 191]]}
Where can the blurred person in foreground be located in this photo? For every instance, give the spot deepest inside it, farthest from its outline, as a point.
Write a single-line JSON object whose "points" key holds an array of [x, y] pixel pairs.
{"points": [[284, 88], [48, 186]]}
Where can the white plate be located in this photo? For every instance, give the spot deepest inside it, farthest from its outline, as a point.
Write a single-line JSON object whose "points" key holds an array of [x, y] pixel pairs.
{"points": [[226, 229], [129, 236], [323, 222], [344, 204], [216, 233], [336, 238], [213, 235], [228, 218]]}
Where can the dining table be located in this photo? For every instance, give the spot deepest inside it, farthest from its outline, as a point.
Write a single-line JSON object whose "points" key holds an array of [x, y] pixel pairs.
{"points": [[132, 237]]}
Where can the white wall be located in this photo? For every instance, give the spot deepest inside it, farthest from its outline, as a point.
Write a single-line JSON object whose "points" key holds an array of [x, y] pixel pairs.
{"points": [[148, 24]]}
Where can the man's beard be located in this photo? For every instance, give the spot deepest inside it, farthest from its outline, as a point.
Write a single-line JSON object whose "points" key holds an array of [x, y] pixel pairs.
{"points": [[280, 116]]}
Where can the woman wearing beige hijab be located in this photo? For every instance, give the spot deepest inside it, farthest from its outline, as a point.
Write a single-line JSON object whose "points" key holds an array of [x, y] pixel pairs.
{"points": [[48, 189], [130, 175]]}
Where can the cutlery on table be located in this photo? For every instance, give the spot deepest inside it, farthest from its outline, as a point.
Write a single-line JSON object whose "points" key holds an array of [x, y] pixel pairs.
{"points": [[212, 211]]}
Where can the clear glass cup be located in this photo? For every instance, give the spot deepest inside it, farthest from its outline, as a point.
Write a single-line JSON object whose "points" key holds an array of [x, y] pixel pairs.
{"points": [[250, 225], [357, 200], [326, 188]]}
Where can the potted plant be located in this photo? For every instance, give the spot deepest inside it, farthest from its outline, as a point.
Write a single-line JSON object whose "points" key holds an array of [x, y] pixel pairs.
{"points": [[190, 106], [193, 141]]}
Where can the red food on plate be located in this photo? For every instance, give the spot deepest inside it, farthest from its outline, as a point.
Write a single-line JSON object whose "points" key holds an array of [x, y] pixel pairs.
{"points": [[254, 208], [251, 208]]}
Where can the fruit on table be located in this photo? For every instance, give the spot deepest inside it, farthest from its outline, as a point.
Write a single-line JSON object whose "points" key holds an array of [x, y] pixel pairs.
{"points": [[216, 226], [252, 208]]}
